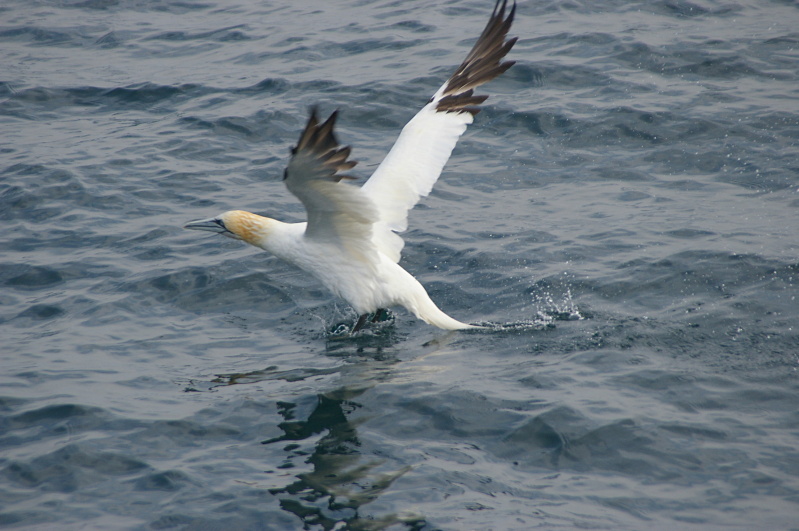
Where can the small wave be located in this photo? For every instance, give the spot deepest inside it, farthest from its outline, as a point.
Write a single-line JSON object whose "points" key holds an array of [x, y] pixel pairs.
{"points": [[252, 377], [517, 326]]}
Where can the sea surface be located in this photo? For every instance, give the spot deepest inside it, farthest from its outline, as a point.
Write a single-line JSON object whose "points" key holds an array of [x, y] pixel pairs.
{"points": [[624, 214]]}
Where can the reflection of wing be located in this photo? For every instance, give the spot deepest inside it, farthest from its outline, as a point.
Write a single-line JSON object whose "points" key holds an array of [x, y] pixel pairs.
{"points": [[337, 212], [414, 163]]}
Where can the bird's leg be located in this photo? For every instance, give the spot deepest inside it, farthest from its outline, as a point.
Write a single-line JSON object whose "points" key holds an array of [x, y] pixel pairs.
{"points": [[360, 323], [379, 315]]}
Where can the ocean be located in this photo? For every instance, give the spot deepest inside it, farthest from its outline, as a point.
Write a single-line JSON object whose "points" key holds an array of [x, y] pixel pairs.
{"points": [[623, 214]]}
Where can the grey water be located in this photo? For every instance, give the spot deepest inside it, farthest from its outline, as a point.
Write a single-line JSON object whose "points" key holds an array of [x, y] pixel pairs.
{"points": [[625, 210]]}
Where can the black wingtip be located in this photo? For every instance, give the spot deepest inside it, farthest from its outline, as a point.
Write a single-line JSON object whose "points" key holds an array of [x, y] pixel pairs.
{"points": [[482, 64], [320, 141]]}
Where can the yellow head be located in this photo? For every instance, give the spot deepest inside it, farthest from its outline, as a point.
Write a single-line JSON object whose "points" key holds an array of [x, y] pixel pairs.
{"points": [[236, 224]]}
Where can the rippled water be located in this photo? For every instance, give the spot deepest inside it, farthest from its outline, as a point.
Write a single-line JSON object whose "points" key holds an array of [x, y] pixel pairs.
{"points": [[626, 205]]}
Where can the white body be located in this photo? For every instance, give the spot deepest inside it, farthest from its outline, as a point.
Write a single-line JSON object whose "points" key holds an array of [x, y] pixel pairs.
{"points": [[364, 277]]}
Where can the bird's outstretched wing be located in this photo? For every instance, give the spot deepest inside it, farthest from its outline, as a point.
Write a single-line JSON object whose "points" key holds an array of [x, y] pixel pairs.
{"points": [[337, 212], [414, 163]]}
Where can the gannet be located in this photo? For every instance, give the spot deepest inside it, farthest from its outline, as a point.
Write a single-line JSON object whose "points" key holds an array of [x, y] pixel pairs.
{"points": [[350, 241]]}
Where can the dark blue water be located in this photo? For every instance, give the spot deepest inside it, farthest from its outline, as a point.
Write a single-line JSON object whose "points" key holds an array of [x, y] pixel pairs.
{"points": [[627, 204]]}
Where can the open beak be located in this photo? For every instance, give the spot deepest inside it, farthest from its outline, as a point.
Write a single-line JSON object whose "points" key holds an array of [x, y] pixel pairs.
{"points": [[210, 225]]}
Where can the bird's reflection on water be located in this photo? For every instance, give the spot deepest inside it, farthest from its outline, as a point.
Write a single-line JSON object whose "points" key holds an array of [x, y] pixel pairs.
{"points": [[320, 435], [342, 478]]}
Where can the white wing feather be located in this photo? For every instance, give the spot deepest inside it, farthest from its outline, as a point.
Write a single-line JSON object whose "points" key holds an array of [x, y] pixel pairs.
{"points": [[410, 170], [338, 213], [425, 144]]}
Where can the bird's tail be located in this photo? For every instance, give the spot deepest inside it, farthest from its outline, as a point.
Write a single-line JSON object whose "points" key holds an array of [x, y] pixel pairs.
{"points": [[426, 310], [438, 318]]}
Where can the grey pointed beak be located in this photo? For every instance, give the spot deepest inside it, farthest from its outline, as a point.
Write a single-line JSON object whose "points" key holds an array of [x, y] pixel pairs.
{"points": [[210, 225]]}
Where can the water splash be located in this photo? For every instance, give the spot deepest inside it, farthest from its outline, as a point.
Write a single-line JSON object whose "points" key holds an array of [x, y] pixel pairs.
{"points": [[548, 309], [552, 309]]}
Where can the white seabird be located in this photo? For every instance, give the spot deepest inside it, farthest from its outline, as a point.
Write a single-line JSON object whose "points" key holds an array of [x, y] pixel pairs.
{"points": [[350, 241]]}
